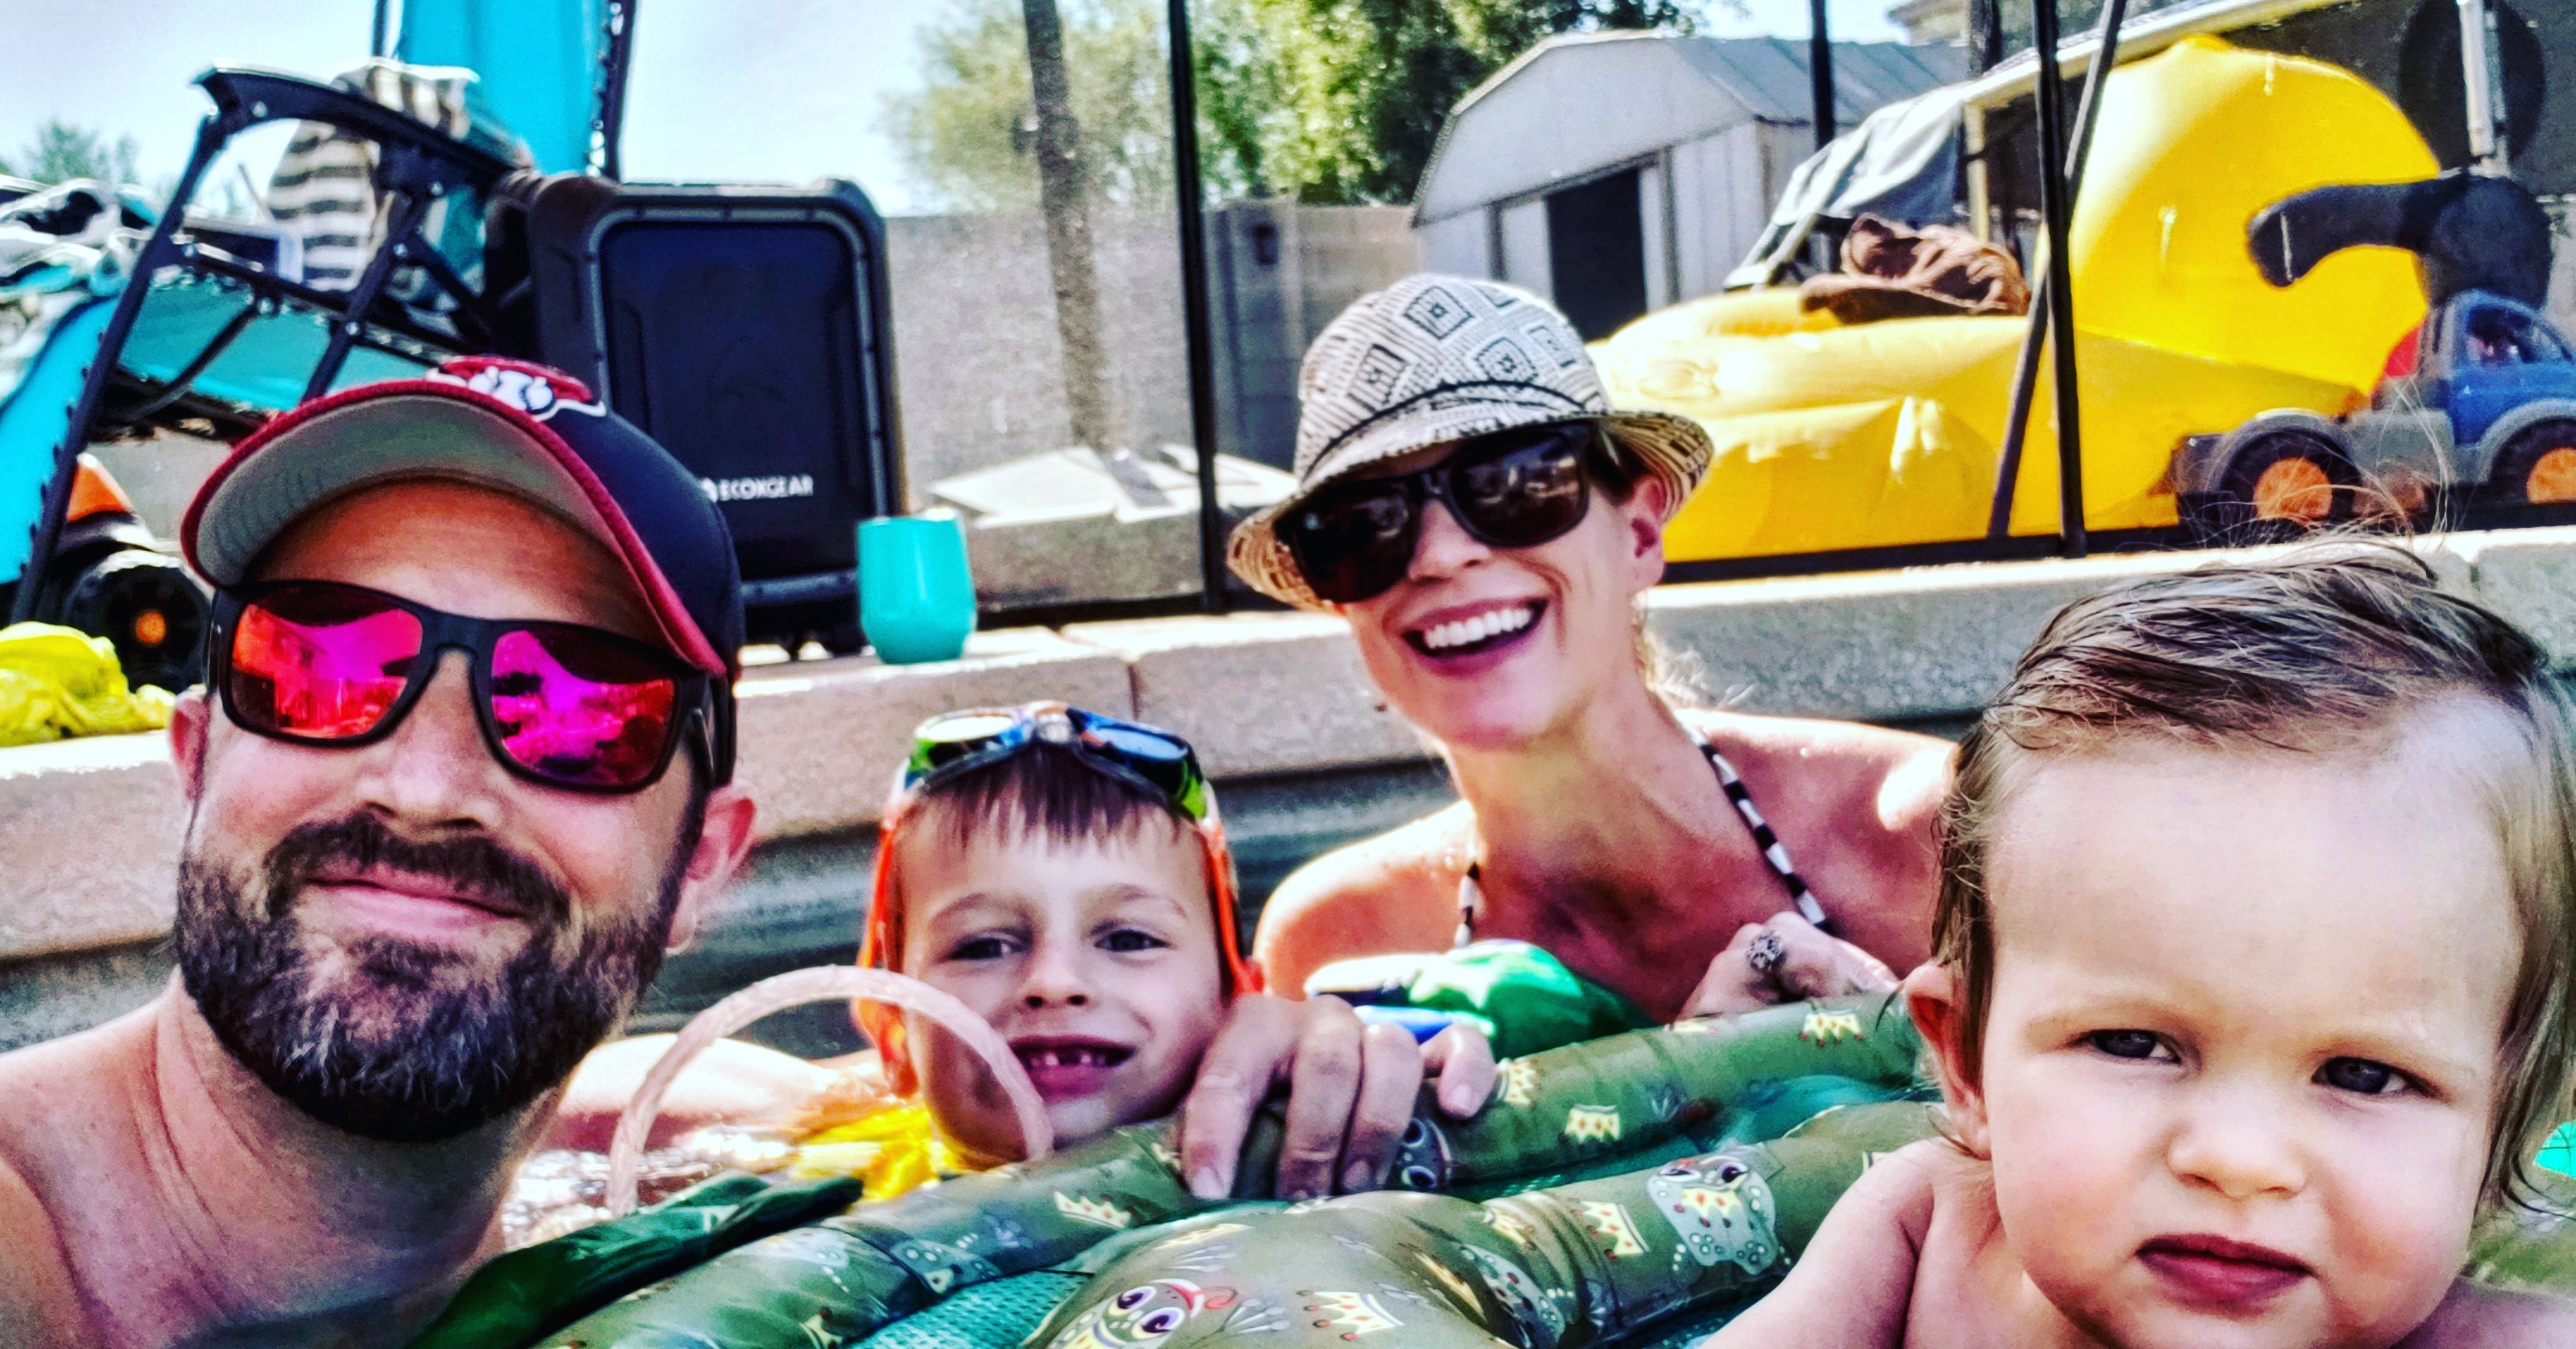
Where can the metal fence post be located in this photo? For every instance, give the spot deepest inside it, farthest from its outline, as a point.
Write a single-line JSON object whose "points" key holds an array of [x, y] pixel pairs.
{"points": [[1194, 302]]}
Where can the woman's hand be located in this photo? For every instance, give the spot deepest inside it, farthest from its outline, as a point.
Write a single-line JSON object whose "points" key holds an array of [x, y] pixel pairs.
{"points": [[1351, 1091], [1787, 959]]}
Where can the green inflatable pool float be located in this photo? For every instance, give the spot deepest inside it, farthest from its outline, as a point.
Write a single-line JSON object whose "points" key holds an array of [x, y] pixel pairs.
{"points": [[1635, 1190], [983, 1259]]}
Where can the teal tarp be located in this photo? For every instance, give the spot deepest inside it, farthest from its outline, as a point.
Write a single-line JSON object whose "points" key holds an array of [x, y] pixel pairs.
{"points": [[536, 62], [32, 421]]}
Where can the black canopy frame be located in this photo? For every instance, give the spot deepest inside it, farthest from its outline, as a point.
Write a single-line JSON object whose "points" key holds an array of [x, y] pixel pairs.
{"points": [[415, 166]]}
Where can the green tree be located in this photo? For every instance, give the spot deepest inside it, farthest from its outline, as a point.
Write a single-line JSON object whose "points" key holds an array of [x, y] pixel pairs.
{"points": [[1323, 100], [1052, 104], [62, 151], [970, 135], [1247, 119], [1372, 81]]}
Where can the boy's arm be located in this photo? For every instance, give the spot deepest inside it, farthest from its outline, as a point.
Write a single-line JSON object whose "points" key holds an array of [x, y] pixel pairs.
{"points": [[1850, 1288]]}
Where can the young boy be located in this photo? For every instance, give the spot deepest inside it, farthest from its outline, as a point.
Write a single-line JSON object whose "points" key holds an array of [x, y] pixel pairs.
{"points": [[2252, 984], [1063, 874]]}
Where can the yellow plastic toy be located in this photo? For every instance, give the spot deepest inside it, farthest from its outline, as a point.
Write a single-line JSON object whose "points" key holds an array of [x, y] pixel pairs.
{"points": [[1888, 433], [57, 681]]}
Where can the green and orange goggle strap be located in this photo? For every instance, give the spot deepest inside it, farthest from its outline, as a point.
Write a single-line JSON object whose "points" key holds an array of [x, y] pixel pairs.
{"points": [[881, 947]]}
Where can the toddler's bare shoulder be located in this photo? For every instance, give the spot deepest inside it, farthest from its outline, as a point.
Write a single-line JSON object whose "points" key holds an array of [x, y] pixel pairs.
{"points": [[2478, 1317], [1937, 1166], [1909, 1186]]}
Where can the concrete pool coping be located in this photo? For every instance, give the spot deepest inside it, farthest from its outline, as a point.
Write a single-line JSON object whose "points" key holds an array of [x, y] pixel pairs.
{"points": [[89, 829]]}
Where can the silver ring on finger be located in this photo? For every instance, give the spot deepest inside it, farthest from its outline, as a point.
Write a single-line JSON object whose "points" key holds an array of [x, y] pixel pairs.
{"points": [[1764, 953]]}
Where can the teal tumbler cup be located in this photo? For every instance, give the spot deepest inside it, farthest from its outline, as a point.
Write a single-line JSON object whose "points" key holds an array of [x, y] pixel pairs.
{"points": [[916, 596]]}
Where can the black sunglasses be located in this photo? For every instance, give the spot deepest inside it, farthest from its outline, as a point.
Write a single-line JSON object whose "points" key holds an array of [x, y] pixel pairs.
{"points": [[322, 663], [1353, 541]]}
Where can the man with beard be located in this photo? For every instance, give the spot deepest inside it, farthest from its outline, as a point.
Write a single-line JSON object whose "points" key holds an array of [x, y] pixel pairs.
{"points": [[461, 775]]}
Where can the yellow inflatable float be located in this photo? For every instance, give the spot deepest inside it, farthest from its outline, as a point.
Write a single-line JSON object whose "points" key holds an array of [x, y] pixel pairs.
{"points": [[1834, 437]]}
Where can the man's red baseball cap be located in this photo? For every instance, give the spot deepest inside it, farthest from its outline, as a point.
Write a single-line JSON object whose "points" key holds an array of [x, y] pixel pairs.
{"points": [[516, 427]]}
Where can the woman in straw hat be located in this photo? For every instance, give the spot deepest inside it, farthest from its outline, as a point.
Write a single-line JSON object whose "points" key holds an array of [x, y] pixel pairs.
{"points": [[1469, 501]]}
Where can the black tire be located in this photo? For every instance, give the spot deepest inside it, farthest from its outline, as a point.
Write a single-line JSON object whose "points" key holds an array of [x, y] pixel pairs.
{"points": [[2537, 467], [148, 608], [2239, 511], [844, 639]]}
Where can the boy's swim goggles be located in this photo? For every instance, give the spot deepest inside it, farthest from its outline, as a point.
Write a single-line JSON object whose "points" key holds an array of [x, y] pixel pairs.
{"points": [[955, 743]]}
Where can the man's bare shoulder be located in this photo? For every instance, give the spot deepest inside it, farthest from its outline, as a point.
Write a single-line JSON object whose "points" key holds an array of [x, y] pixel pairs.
{"points": [[67, 1107], [2475, 1316], [71, 1072], [1396, 891], [39, 1301]]}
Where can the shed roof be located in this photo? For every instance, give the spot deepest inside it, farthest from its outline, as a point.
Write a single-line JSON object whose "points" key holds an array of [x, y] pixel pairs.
{"points": [[1579, 103]]}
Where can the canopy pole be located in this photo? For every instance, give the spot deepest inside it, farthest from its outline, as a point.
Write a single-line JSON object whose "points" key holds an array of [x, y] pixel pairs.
{"points": [[616, 56], [1985, 35], [2026, 369], [1186, 185], [2477, 80], [1820, 70]]}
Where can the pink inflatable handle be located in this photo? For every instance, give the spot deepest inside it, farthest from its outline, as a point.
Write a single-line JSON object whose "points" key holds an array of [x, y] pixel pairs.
{"points": [[830, 983]]}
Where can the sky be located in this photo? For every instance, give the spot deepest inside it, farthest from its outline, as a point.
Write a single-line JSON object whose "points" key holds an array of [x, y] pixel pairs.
{"points": [[1850, 20], [722, 90]]}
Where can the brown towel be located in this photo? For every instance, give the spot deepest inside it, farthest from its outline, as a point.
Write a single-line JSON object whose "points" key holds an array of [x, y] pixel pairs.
{"points": [[1890, 271]]}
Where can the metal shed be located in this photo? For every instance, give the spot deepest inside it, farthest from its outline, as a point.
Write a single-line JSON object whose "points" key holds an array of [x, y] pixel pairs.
{"points": [[1620, 172]]}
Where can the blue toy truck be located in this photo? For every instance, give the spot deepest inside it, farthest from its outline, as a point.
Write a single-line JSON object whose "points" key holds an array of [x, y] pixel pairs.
{"points": [[2487, 416]]}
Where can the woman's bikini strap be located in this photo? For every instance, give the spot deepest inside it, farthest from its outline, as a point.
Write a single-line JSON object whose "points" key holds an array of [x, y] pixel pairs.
{"points": [[1775, 854]]}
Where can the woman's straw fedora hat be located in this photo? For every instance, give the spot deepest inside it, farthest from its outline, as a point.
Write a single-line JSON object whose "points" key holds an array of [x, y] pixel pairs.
{"points": [[1441, 358]]}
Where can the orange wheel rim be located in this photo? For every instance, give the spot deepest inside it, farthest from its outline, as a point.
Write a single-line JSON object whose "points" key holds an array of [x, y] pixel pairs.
{"points": [[2298, 489], [150, 628], [2553, 476]]}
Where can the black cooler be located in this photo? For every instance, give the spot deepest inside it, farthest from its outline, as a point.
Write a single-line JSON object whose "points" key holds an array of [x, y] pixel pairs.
{"points": [[747, 330]]}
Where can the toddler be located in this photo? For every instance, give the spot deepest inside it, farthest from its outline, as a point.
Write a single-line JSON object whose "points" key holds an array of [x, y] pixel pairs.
{"points": [[2251, 987]]}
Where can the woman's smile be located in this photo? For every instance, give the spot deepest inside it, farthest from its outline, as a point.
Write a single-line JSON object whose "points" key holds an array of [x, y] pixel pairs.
{"points": [[1472, 630]]}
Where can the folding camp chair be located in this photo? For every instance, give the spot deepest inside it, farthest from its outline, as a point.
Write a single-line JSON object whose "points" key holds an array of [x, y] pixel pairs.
{"points": [[211, 327]]}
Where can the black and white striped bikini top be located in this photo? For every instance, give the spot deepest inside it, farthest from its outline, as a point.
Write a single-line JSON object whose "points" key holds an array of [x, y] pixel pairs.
{"points": [[1775, 854]]}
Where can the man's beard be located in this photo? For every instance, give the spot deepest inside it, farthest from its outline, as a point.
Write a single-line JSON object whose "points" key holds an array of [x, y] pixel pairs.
{"points": [[409, 1043]]}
